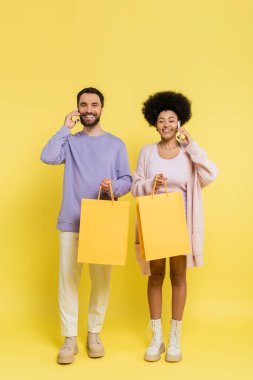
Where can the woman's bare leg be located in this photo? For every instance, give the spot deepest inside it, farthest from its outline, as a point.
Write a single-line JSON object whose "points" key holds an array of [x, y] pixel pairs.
{"points": [[155, 283]]}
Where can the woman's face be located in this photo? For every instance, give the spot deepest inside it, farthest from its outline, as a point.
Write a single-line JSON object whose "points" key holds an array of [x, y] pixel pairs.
{"points": [[167, 124]]}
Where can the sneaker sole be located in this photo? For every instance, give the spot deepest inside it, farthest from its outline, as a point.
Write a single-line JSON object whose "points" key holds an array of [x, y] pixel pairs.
{"points": [[154, 358], [96, 354], [67, 359]]}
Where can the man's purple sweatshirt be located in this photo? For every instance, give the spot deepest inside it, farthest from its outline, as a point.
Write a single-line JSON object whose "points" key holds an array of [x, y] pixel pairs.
{"points": [[87, 161]]}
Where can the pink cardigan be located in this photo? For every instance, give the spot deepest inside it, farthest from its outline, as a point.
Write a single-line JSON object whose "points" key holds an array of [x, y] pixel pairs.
{"points": [[202, 172]]}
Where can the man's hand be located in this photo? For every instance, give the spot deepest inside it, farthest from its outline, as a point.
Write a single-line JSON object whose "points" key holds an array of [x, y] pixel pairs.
{"points": [[69, 122], [105, 184]]}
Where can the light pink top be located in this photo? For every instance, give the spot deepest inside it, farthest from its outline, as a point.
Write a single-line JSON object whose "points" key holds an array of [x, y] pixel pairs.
{"points": [[175, 169]]}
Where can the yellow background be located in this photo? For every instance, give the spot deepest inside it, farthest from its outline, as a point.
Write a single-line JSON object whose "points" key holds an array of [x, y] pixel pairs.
{"points": [[128, 49]]}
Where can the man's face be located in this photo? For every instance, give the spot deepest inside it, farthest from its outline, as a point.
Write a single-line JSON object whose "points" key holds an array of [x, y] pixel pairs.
{"points": [[90, 109]]}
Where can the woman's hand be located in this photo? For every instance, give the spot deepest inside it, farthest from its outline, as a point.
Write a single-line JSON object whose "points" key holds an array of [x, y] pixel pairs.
{"points": [[188, 139], [160, 180]]}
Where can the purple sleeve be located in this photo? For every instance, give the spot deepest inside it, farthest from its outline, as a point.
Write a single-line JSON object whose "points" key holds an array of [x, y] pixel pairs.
{"points": [[55, 151], [122, 184]]}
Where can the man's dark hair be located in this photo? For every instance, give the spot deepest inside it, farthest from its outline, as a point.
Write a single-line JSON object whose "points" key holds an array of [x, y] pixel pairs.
{"points": [[91, 90], [165, 101]]}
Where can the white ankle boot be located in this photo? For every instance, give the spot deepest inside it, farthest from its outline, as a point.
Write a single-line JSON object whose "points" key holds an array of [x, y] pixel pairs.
{"points": [[174, 353], [156, 346]]}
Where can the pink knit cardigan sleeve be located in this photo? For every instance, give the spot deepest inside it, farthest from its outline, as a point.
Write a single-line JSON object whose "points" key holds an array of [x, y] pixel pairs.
{"points": [[206, 169], [141, 184]]}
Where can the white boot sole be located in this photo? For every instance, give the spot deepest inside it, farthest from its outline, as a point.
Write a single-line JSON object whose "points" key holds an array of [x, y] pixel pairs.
{"points": [[173, 358], [154, 358]]}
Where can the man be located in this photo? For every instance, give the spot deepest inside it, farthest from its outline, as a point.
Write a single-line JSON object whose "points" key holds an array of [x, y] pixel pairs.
{"points": [[92, 158]]}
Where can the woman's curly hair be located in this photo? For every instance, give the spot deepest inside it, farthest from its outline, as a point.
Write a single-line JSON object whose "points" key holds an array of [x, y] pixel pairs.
{"points": [[165, 101]]}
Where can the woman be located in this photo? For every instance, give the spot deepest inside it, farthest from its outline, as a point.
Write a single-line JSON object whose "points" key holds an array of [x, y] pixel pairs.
{"points": [[179, 163]]}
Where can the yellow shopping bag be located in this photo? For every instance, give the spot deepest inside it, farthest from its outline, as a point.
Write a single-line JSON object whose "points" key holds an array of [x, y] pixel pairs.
{"points": [[162, 225], [103, 231]]}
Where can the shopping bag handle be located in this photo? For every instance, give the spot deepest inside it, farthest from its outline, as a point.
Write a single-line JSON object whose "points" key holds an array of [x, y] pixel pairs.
{"points": [[111, 192], [165, 186]]}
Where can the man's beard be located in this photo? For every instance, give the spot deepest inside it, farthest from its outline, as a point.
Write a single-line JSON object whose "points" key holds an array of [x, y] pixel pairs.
{"points": [[89, 124]]}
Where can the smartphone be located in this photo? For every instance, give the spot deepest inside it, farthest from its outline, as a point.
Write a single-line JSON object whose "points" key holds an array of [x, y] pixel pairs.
{"points": [[179, 136]]}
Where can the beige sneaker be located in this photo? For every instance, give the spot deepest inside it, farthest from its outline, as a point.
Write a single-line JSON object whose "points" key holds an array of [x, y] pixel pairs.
{"points": [[95, 348], [68, 351]]}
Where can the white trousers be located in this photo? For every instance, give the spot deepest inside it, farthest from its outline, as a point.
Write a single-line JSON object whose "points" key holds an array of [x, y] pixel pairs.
{"points": [[69, 279]]}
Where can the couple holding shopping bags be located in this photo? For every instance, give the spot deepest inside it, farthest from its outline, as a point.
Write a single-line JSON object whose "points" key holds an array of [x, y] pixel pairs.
{"points": [[97, 161]]}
